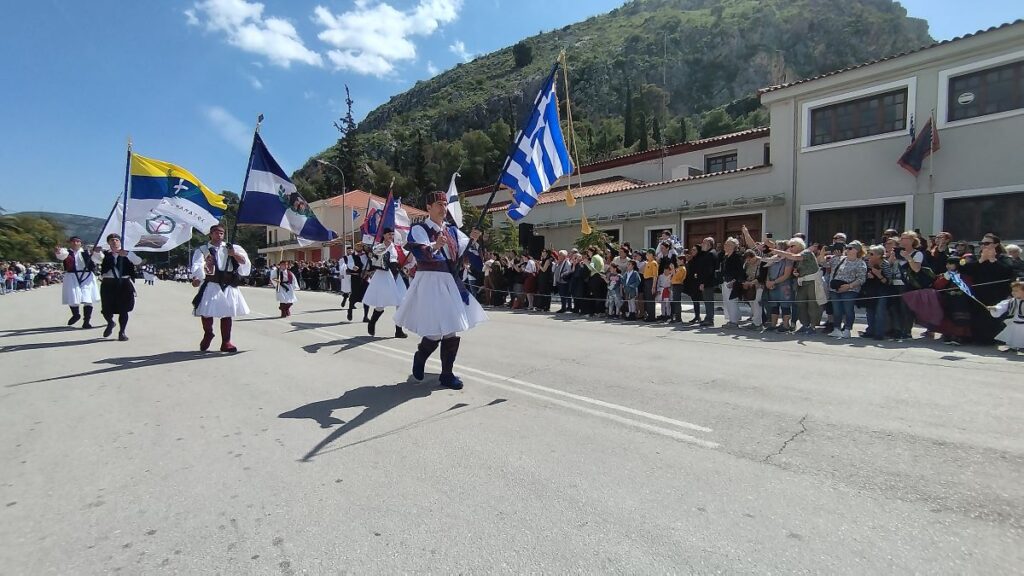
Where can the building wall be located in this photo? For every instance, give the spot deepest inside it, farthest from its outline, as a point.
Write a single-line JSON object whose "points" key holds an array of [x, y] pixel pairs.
{"points": [[748, 153], [980, 155]]}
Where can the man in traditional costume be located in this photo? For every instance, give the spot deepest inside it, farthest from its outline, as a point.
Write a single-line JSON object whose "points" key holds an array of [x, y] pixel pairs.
{"points": [[387, 286], [438, 305], [286, 285], [79, 288], [358, 271], [117, 284], [217, 270], [345, 284]]}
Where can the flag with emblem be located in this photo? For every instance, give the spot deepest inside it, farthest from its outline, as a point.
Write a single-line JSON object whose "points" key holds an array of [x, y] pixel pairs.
{"points": [[271, 199], [165, 202]]}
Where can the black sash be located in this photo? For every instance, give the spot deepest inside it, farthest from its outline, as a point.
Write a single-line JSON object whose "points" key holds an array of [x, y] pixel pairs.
{"points": [[222, 278]]}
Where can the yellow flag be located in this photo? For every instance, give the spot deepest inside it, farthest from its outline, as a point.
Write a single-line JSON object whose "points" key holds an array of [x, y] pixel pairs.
{"points": [[584, 225], [570, 200]]}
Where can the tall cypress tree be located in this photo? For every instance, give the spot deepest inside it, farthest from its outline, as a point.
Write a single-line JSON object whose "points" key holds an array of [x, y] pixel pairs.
{"points": [[656, 131], [627, 118], [642, 127]]}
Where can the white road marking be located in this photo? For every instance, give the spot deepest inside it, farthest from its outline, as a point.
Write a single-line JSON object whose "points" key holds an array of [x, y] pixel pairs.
{"points": [[516, 385]]}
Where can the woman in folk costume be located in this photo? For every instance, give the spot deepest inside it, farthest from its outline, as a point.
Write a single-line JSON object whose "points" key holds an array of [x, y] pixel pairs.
{"points": [[438, 305], [217, 269], [286, 285], [387, 287], [80, 288], [117, 285], [1012, 310]]}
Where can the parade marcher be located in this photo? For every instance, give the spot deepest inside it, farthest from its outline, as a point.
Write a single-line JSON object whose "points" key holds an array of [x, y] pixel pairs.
{"points": [[117, 285], [387, 287], [1012, 310], [79, 288], [344, 264], [217, 269], [358, 271], [149, 274], [286, 285], [438, 305]]}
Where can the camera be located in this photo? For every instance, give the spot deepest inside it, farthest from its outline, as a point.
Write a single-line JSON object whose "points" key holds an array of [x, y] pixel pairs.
{"points": [[768, 235], [837, 247]]}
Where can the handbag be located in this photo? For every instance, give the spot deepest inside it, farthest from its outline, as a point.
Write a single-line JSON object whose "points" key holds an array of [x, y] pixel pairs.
{"points": [[836, 284]]}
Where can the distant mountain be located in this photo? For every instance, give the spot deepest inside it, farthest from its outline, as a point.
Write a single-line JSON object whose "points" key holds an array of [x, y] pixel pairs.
{"points": [[88, 227], [649, 73]]}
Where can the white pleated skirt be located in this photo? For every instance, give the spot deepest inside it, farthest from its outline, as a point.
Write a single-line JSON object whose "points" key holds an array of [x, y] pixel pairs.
{"points": [[434, 307], [74, 293], [288, 296], [384, 290], [226, 303], [1012, 335]]}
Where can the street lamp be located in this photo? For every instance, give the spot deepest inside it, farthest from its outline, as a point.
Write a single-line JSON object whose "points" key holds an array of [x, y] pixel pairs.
{"points": [[344, 210]]}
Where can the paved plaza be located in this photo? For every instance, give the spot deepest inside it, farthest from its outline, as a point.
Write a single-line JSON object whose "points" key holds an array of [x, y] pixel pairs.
{"points": [[577, 446]]}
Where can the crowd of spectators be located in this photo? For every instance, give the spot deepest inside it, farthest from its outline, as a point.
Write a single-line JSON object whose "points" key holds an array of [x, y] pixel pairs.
{"points": [[21, 276], [765, 285]]}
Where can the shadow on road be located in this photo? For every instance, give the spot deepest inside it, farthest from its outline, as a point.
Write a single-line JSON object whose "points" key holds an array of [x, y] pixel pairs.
{"points": [[37, 331], [133, 362], [40, 345], [344, 344], [376, 399]]}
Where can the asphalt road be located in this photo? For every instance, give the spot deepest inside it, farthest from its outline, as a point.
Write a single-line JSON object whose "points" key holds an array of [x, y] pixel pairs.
{"points": [[576, 447]]}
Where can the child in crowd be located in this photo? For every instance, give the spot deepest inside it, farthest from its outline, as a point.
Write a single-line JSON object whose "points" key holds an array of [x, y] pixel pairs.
{"points": [[1012, 311], [664, 291], [614, 298]]}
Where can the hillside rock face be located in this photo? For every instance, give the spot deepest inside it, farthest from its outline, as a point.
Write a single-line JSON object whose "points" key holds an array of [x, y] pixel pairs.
{"points": [[703, 53]]}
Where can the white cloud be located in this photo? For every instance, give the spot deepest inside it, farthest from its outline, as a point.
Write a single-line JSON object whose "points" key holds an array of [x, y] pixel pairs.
{"points": [[431, 69], [255, 82], [374, 37], [459, 49], [245, 27], [231, 129], [190, 16]]}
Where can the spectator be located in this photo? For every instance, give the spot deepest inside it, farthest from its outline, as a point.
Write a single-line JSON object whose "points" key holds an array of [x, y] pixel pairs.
{"points": [[956, 306], [779, 282], [678, 288], [614, 299], [1016, 263], [631, 288], [649, 288], [563, 276], [810, 292], [664, 291], [529, 272], [848, 275], [907, 261], [753, 289], [731, 274], [992, 274], [545, 280], [703, 268], [877, 290]]}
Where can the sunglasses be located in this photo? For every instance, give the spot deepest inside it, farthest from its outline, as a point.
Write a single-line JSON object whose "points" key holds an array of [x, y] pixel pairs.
{"points": [[987, 243]]}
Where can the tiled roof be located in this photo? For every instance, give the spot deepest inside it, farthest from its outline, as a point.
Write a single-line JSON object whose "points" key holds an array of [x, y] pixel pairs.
{"points": [[656, 153], [619, 184], [358, 199], [887, 58], [596, 188]]}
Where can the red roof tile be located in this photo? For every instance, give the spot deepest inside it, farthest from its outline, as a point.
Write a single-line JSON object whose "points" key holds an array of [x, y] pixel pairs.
{"points": [[358, 199]]}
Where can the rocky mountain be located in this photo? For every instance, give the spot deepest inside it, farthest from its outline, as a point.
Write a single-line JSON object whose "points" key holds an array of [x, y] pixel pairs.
{"points": [[648, 73], [87, 227]]}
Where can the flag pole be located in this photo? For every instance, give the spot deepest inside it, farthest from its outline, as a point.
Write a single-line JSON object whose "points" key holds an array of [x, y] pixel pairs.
{"points": [[508, 160], [245, 181], [127, 191]]}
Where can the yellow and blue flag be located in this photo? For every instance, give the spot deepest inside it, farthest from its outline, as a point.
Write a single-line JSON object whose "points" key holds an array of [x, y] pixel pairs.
{"points": [[165, 202]]}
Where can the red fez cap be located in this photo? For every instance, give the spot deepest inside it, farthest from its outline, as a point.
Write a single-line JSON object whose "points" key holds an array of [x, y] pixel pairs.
{"points": [[436, 196]]}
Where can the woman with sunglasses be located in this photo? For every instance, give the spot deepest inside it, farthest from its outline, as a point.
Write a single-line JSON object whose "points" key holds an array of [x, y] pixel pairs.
{"points": [[992, 273]]}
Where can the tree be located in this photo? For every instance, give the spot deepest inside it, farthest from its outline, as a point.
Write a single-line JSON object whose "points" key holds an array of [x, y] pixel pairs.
{"points": [[522, 53], [656, 131], [642, 126], [29, 239], [716, 123], [348, 154], [627, 118], [420, 167], [595, 238]]}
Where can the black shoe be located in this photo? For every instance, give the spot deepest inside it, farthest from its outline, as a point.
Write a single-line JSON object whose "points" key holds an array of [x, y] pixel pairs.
{"points": [[74, 318], [108, 330], [423, 351], [451, 381], [349, 314], [122, 337], [399, 333], [86, 325]]}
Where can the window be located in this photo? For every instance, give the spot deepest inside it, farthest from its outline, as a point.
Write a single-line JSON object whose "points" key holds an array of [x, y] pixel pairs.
{"points": [[720, 163], [862, 223], [612, 233], [971, 217], [984, 92], [876, 114]]}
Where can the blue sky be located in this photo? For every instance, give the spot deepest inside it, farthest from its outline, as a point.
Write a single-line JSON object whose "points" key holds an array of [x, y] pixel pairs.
{"points": [[186, 79]]}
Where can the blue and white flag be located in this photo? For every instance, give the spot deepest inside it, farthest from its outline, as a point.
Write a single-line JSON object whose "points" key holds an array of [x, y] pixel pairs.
{"points": [[270, 198], [454, 206], [959, 282], [539, 157]]}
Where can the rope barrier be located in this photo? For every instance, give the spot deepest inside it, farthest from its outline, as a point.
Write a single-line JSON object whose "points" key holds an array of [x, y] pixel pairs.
{"points": [[763, 301]]}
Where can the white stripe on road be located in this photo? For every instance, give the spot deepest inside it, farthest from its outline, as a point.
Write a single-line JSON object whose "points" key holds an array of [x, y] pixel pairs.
{"points": [[516, 385]]}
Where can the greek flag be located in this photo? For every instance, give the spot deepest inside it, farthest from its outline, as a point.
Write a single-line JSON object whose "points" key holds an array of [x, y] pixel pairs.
{"points": [[959, 282], [539, 156]]}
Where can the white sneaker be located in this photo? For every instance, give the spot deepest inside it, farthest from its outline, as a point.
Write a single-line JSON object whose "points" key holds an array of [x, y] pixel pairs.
{"points": [[846, 334], [836, 333]]}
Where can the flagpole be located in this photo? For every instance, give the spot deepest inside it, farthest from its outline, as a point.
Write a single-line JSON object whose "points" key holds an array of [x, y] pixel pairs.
{"points": [[245, 181], [508, 160], [127, 191]]}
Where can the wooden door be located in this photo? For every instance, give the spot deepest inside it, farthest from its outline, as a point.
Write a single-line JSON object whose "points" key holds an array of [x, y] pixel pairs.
{"points": [[721, 228]]}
